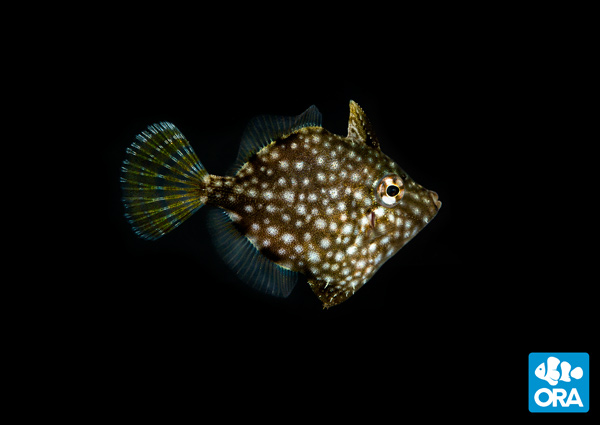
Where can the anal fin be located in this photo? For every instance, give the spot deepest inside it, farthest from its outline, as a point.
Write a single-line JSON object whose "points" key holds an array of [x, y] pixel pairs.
{"points": [[244, 258]]}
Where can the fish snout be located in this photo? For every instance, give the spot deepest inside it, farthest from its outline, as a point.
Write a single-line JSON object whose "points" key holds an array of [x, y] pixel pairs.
{"points": [[436, 199]]}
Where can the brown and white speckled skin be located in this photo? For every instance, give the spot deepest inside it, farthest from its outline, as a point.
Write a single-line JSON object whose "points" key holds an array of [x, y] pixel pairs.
{"points": [[309, 201]]}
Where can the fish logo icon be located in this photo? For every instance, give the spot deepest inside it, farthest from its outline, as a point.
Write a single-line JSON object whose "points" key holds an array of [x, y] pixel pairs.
{"points": [[552, 375], [559, 382]]}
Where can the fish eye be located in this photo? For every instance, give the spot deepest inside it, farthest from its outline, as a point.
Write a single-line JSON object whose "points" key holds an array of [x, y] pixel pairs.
{"points": [[390, 189]]}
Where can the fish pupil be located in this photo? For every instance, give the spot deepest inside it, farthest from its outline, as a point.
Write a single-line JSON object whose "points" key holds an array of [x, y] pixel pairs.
{"points": [[392, 190]]}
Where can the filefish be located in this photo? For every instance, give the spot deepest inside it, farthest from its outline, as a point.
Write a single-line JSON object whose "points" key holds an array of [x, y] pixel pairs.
{"points": [[299, 199]]}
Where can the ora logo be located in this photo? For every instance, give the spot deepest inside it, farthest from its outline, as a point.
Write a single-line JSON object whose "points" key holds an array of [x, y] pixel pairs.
{"points": [[567, 373]]}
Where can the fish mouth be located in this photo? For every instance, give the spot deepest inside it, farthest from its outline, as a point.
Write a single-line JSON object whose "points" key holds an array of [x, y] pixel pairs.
{"points": [[436, 199]]}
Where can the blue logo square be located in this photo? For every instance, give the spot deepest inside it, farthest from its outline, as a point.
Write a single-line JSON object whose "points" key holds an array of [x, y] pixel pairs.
{"points": [[559, 382]]}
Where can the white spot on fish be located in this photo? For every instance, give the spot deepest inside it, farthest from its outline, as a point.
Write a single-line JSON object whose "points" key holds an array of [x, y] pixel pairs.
{"points": [[289, 196], [271, 230], [313, 257], [347, 229], [287, 238]]}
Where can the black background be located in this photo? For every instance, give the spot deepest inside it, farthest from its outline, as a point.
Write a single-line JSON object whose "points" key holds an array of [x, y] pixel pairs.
{"points": [[495, 114]]}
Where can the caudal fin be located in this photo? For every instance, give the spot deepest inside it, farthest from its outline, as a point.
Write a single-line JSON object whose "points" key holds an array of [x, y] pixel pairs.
{"points": [[163, 181]]}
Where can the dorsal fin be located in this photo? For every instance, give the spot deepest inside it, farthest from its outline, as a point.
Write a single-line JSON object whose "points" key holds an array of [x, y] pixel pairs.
{"points": [[359, 126], [265, 129], [244, 258]]}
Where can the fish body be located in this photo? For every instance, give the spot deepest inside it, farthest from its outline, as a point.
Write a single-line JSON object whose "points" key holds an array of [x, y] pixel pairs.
{"points": [[300, 200]]}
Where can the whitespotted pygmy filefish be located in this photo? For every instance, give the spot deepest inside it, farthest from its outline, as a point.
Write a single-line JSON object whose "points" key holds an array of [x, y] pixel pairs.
{"points": [[299, 199]]}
